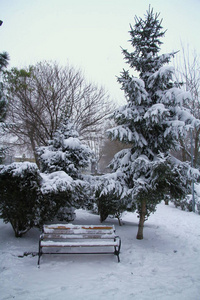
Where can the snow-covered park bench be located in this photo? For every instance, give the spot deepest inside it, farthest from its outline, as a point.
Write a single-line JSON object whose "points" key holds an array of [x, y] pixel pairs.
{"points": [[87, 236]]}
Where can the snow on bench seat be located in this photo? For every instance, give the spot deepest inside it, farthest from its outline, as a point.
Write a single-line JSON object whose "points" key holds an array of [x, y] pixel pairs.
{"points": [[79, 244]]}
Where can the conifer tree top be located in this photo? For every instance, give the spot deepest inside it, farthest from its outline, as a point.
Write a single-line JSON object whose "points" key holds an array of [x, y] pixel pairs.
{"points": [[146, 34], [146, 40]]}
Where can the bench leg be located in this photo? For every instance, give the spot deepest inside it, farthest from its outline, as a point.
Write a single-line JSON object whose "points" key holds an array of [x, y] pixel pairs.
{"points": [[118, 258], [117, 248], [116, 252], [39, 253]]}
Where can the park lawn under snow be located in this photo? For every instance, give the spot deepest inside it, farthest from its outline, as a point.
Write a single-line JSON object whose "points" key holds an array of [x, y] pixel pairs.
{"points": [[164, 265]]}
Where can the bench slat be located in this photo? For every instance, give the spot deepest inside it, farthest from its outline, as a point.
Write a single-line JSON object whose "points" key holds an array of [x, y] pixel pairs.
{"points": [[78, 231], [78, 236], [71, 226], [79, 244]]}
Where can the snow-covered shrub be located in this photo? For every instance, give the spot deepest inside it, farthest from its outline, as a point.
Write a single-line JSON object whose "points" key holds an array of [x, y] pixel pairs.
{"points": [[197, 197], [185, 202], [53, 205], [197, 206], [65, 152], [111, 198], [29, 198], [82, 195], [65, 155], [109, 205], [19, 192], [66, 214], [60, 196], [55, 198]]}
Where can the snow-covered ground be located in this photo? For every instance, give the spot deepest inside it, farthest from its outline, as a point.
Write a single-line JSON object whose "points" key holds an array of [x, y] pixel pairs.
{"points": [[164, 265]]}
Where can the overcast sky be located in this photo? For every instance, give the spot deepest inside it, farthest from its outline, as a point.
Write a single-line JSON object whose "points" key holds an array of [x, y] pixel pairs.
{"points": [[88, 33]]}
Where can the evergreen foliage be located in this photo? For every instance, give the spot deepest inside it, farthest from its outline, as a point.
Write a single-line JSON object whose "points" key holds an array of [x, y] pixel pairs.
{"points": [[65, 152], [56, 198], [29, 198], [108, 200], [151, 122], [19, 194], [3, 103], [62, 161]]}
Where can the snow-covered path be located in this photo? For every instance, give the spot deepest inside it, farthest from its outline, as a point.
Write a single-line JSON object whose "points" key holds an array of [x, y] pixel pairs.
{"points": [[165, 265]]}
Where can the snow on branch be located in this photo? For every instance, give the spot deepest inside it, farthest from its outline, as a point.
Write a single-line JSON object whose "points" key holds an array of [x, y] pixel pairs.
{"points": [[156, 113], [56, 180], [121, 132], [133, 86]]}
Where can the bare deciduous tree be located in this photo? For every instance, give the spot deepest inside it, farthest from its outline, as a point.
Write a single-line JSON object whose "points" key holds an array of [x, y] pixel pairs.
{"points": [[41, 96], [188, 73]]}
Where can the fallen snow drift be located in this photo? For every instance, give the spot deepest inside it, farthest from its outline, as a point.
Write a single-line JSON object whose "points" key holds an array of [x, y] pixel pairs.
{"points": [[164, 266]]}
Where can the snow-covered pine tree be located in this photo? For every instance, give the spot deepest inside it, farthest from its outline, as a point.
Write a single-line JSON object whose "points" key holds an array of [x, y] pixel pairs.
{"points": [[65, 152], [150, 122], [62, 162], [3, 103]]}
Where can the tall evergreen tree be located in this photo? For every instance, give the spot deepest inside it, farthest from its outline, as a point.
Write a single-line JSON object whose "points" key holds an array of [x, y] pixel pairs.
{"points": [[4, 57], [150, 122], [3, 103]]}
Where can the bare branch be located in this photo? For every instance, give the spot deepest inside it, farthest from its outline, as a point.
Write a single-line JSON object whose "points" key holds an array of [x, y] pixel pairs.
{"points": [[41, 96]]}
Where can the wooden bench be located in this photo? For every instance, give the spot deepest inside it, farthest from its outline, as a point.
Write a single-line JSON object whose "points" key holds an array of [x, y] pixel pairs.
{"points": [[69, 235]]}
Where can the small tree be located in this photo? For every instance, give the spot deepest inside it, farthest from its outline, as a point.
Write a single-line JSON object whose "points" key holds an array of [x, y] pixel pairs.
{"points": [[56, 198], [66, 153], [29, 198], [109, 199], [19, 194], [151, 122]]}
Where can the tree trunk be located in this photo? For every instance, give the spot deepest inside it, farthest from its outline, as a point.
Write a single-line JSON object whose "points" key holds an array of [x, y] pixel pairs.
{"points": [[196, 147], [142, 220], [183, 152], [166, 199], [34, 151]]}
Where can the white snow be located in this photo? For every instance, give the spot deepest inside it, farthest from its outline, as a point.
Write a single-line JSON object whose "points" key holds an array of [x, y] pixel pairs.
{"points": [[53, 180], [72, 143], [162, 266], [79, 243]]}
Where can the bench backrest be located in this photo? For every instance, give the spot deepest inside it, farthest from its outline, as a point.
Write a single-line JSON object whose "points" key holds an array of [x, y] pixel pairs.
{"points": [[81, 231]]}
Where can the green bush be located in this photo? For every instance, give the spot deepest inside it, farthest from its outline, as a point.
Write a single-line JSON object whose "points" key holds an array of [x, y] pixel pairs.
{"points": [[19, 191], [55, 205], [29, 198], [110, 199], [110, 205]]}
